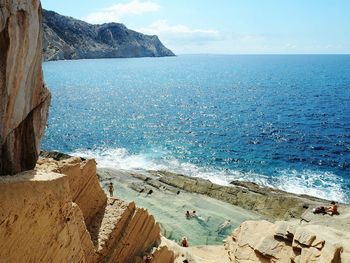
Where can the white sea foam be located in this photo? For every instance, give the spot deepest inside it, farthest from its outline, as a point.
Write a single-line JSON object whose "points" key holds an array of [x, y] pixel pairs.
{"points": [[320, 184], [315, 183]]}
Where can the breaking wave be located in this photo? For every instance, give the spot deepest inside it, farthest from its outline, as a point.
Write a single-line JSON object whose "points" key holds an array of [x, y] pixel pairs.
{"points": [[320, 184]]}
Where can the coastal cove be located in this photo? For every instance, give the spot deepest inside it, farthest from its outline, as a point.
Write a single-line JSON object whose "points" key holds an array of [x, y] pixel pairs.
{"points": [[175, 159], [286, 227], [169, 205], [264, 221], [222, 118], [168, 196]]}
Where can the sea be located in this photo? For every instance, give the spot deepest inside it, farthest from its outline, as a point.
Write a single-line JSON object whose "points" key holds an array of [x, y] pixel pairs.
{"points": [[277, 120]]}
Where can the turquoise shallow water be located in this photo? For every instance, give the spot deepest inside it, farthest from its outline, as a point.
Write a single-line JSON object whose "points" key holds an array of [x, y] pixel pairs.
{"points": [[282, 121], [169, 210]]}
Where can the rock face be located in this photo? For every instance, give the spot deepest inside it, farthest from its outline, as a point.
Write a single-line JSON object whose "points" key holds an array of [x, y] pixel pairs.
{"points": [[59, 213], [24, 99], [110, 230], [69, 38], [37, 222], [83, 184], [262, 241]]}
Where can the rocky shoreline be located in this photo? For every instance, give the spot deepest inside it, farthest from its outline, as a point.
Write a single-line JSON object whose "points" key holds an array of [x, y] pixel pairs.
{"points": [[287, 230], [271, 204]]}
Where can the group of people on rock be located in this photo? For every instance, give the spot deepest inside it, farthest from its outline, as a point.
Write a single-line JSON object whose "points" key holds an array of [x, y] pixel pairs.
{"points": [[331, 210]]}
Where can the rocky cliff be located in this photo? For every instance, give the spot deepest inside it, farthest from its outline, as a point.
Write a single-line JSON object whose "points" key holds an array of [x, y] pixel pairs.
{"points": [[112, 230], [24, 99], [69, 38], [59, 213]]}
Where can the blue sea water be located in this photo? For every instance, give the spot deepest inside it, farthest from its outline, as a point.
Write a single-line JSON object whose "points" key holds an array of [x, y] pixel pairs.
{"points": [[278, 120]]}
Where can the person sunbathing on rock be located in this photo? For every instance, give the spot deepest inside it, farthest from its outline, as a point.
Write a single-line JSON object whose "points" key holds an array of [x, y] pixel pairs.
{"points": [[333, 209], [319, 210]]}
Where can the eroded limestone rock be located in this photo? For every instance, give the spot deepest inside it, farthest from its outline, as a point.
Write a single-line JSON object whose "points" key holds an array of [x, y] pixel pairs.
{"points": [[24, 99], [110, 230], [262, 241], [84, 186], [59, 213], [37, 219]]}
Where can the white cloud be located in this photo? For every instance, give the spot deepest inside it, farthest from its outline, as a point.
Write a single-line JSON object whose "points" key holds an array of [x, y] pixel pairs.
{"points": [[164, 26], [116, 12], [183, 39], [180, 33]]}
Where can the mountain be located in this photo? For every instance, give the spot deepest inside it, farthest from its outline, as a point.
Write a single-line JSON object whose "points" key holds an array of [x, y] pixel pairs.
{"points": [[69, 38]]}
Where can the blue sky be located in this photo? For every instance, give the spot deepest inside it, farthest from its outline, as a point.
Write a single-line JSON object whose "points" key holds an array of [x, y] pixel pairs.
{"points": [[226, 26]]}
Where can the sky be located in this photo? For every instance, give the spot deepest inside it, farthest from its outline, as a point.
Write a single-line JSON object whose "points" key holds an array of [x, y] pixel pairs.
{"points": [[226, 26]]}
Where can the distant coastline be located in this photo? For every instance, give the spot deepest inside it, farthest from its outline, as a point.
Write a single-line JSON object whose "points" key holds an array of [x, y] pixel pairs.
{"points": [[66, 38]]}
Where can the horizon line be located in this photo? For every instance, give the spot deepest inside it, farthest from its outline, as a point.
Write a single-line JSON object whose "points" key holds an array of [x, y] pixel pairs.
{"points": [[255, 54]]}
